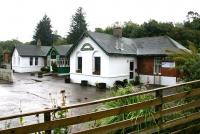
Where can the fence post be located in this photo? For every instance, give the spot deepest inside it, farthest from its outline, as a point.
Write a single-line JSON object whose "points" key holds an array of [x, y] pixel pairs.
{"points": [[47, 117], [158, 108]]}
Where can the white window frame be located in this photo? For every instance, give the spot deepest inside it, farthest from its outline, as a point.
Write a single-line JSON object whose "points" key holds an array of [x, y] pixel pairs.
{"points": [[157, 65]]}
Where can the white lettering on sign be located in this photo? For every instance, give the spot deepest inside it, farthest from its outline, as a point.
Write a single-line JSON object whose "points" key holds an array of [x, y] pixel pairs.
{"points": [[168, 64]]}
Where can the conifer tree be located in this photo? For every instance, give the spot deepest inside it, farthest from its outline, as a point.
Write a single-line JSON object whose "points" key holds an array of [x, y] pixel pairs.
{"points": [[78, 26], [43, 32]]}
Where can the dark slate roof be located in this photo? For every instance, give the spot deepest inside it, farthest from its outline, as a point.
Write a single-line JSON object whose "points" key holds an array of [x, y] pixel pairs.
{"points": [[40, 51], [32, 50], [109, 43], [138, 46], [45, 49], [157, 45], [63, 49]]}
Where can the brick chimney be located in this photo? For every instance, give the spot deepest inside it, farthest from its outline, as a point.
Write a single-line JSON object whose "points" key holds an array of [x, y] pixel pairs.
{"points": [[6, 57], [117, 32]]}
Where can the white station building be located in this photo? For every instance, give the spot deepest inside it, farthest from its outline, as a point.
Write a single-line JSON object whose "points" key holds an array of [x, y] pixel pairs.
{"points": [[104, 58]]}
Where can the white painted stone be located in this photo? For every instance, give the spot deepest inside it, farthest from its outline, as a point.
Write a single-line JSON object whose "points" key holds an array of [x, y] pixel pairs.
{"points": [[112, 67], [164, 80], [22, 64]]}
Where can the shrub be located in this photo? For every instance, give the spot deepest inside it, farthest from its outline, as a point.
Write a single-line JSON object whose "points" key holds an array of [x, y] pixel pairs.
{"points": [[125, 82], [137, 80], [119, 83], [40, 74], [147, 113], [45, 69]]}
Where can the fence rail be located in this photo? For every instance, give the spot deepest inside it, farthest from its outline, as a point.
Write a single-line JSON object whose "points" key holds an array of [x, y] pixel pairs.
{"points": [[191, 103]]}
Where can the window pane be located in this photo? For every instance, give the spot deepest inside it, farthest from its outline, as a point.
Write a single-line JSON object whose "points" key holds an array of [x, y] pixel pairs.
{"points": [[157, 64], [131, 75], [79, 63], [36, 60], [31, 61], [97, 65], [131, 66]]}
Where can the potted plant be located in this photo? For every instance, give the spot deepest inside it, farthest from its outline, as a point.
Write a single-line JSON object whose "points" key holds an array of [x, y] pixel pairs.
{"points": [[84, 82], [79, 71]]}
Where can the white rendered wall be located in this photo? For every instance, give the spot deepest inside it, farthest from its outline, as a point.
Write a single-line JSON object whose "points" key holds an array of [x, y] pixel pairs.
{"points": [[112, 68], [165, 80], [120, 65], [22, 64]]}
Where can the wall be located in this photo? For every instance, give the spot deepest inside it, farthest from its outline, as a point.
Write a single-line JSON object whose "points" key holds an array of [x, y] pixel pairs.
{"points": [[21, 64], [169, 72], [112, 68], [146, 71], [163, 80], [146, 65], [120, 65], [6, 74]]}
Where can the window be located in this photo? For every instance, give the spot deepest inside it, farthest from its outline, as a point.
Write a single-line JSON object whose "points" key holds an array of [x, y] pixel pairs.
{"points": [[36, 60], [53, 55], [131, 66], [157, 65], [131, 73], [97, 65], [79, 70], [31, 61]]}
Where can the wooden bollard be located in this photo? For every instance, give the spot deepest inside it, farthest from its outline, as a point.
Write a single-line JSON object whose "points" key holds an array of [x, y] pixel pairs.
{"points": [[47, 117], [158, 108], [63, 97]]}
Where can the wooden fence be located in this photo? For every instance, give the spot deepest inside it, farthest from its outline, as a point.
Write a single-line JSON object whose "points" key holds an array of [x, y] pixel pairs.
{"points": [[188, 109]]}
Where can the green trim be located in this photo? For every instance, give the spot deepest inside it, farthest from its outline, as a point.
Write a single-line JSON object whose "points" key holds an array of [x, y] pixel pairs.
{"points": [[87, 47], [52, 49], [63, 70]]}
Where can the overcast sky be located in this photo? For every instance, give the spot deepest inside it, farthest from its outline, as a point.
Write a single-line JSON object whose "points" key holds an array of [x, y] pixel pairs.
{"points": [[20, 17]]}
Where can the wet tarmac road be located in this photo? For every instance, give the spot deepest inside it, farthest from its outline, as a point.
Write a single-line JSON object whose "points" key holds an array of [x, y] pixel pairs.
{"points": [[29, 93]]}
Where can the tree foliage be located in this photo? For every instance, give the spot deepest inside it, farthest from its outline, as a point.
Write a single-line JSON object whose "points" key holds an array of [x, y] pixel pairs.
{"points": [[193, 20], [7, 46], [78, 26], [181, 32], [43, 32], [188, 62]]}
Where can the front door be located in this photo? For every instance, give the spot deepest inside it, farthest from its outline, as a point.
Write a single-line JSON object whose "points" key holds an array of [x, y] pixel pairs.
{"points": [[131, 73]]}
